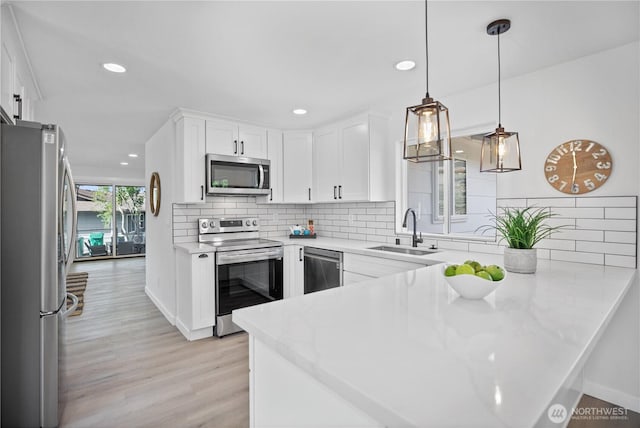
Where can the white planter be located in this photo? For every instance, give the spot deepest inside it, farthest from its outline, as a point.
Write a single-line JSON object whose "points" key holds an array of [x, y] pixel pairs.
{"points": [[520, 261]]}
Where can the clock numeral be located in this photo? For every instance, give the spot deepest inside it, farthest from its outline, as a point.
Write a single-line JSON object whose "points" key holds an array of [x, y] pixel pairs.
{"points": [[575, 188], [601, 152], [576, 146], [603, 165], [550, 168], [563, 184], [599, 176], [553, 178], [562, 150], [589, 147], [553, 158], [589, 184]]}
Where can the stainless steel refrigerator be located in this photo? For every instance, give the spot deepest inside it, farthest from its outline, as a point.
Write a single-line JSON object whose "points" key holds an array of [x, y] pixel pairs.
{"points": [[37, 234]]}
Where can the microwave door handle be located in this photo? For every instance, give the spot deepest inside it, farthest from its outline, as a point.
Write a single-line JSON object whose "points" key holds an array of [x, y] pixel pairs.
{"points": [[261, 180]]}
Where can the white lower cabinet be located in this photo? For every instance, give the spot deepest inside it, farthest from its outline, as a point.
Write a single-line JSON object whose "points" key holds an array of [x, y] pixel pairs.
{"points": [[293, 271], [358, 267], [195, 294]]}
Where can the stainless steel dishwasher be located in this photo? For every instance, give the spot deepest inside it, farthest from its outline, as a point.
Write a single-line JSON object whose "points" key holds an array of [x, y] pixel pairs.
{"points": [[322, 269]]}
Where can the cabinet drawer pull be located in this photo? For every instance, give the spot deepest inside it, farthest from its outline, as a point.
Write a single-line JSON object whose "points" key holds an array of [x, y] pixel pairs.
{"points": [[334, 192], [271, 194], [235, 147], [241, 147], [203, 256], [202, 193], [309, 193], [339, 192], [300, 254]]}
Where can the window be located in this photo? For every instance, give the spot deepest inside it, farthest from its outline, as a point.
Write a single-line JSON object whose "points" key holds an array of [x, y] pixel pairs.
{"points": [[449, 197], [98, 235]]}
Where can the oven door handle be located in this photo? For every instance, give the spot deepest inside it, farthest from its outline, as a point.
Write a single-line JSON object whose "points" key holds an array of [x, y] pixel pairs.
{"points": [[227, 259]]}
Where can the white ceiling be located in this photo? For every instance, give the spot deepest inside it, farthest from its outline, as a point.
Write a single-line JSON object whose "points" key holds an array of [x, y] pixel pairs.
{"points": [[259, 60]]}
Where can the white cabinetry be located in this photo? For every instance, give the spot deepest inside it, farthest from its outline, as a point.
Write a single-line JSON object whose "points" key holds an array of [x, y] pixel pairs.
{"points": [[229, 138], [190, 159], [274, 154], [297, 156], [15, 96], [293, 271], [195, 294], [360, 268], [348, 161]]}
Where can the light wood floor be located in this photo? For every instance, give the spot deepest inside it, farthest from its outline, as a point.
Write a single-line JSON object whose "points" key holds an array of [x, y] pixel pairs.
{"points": [[126, 366]]}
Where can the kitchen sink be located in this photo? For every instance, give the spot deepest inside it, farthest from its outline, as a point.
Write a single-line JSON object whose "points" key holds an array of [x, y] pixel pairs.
{"points": [[412, 251]]}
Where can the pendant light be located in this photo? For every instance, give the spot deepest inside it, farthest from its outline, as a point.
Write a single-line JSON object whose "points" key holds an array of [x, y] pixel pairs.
{"points": [[500, 149], [427, 136]]}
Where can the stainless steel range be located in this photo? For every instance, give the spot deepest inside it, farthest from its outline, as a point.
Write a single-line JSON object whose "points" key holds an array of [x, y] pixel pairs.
{"points": [[248, 268]]}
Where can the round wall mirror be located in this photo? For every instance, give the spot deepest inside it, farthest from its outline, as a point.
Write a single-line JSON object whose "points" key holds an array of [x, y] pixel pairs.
{"points": [[154, 193]]}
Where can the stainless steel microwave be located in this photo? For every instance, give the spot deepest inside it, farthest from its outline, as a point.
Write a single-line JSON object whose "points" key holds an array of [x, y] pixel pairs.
{"points": [[235, 175]]}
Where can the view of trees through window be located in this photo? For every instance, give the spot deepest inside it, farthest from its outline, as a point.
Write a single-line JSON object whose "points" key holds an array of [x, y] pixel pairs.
{"points": [[111, 220]]}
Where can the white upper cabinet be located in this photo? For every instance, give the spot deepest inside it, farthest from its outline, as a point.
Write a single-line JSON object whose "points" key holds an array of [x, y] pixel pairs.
{"points": [[297, 160], [275, 156], [347, 156], [190, 159], [230, 138], [7, 82]]}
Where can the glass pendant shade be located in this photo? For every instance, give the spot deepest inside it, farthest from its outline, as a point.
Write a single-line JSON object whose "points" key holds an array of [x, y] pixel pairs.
{"points": [[500, 152], [427, 135]]}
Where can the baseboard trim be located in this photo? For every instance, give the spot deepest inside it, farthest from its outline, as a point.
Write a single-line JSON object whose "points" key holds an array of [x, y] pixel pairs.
{"points": [[610, 395], [191, 335], [167, 314]]}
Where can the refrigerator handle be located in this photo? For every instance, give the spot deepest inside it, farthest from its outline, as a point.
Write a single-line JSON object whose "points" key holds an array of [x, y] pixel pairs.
{"points": [[73, 307], [74, 217]]}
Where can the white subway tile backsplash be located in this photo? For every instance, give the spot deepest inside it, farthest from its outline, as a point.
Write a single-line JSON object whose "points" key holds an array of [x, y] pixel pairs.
{"points": [[620, 261], [504, 203], [453, 245], [621, 201], [544, 254], [622, 237], [557, 244], [619, 225], [575, 234], [620, 213], [486, 248], [576, 256], [591, 212], [552, 202], [606, 248]]}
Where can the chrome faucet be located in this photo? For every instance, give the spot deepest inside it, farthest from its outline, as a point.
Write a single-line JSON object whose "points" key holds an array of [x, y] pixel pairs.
{"points": [[414, 239]]}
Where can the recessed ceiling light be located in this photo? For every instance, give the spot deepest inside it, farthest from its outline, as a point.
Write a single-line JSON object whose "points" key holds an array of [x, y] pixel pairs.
{"points": [[405, 65], [113, 67], [459, 151], [299, 111], [133, 155], [124, 163]]}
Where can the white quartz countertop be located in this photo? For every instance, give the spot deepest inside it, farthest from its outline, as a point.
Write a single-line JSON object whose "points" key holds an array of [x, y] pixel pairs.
{"points": [[408, 351]]}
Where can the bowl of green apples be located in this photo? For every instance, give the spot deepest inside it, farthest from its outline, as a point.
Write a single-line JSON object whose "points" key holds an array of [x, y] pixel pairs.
{"points": [[473, 280]]}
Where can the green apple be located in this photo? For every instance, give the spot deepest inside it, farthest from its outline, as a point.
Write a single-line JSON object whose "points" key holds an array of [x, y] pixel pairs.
{"points": [[465, 269], [496, 272], [484, 275], [450, 270]]}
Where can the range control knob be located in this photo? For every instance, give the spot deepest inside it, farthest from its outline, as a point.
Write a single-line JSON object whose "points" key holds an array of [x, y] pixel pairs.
{"points": [[212, 223], [255, 222], [248, 223], [203, 225]]}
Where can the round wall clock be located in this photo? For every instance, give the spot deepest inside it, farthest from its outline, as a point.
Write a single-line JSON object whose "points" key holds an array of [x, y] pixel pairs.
{"points": [[578, 166]]}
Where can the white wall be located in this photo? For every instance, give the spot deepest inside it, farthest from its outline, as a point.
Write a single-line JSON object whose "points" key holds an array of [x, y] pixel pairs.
{"points": [[160, 261]]}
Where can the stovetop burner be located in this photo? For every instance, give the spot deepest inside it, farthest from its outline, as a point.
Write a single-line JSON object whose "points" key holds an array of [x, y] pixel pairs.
{"points": [[230, 234]]}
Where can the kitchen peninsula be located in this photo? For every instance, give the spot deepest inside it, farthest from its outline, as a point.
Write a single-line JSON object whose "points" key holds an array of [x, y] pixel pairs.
{"points": [[405, 351]]}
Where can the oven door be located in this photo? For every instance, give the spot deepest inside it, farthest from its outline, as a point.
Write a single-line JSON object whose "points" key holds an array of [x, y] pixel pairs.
{"points": [[247, 277], [237, 175]]}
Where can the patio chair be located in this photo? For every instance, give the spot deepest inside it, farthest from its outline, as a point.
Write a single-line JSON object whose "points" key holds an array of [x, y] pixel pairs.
{"points": [[96, 250]]}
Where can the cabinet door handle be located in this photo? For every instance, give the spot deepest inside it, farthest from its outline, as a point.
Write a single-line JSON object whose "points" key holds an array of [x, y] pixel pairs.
{"points": [[235, 147], [270, 194], [203, 256], [339, 192], [300, 254], [334, 192], [202, 193], [309, 193], [241, 147], [18, 99]]}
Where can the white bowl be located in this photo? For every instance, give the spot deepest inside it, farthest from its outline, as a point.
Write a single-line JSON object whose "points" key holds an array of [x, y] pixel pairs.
{"points": [[471, 286]]}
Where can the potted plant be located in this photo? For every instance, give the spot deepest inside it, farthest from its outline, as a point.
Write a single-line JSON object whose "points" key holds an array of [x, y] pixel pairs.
{"points": [[521, 228]]}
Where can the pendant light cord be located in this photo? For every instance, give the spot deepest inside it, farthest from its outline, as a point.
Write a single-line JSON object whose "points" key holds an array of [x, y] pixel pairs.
{"points": [[426, 43], [499, 96]]}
